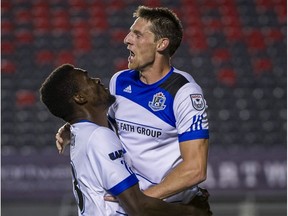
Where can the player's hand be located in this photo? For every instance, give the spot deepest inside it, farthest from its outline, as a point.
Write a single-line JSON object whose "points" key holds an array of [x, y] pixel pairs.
{"points": [[201, 204], [63, 138], [110, 198]]}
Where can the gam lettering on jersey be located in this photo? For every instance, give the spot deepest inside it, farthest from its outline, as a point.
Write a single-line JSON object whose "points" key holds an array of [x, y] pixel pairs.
{"points": [[138, 129], [115, 155]]}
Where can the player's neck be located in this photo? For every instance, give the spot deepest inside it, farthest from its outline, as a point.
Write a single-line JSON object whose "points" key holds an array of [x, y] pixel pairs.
{"points": [[99, 118], [154, 73]]}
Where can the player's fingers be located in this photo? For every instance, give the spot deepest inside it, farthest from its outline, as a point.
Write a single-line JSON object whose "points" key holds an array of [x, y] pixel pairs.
{"points": [[59, 147], [59, 139], [59, 143], [110, 199]]}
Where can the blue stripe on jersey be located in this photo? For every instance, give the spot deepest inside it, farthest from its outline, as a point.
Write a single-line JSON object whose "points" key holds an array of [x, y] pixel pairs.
{"points": [[124, 185], [138, 93], [192, 135]]}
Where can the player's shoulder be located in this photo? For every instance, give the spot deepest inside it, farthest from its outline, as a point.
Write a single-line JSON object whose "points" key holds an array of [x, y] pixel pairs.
{"points": [[100, 135], [190, 85], [104, 133], [90, 129], [185, 75]]}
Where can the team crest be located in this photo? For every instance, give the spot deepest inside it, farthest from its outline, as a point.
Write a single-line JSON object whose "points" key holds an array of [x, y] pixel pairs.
{"points": [[158, 102], [197, 101]]}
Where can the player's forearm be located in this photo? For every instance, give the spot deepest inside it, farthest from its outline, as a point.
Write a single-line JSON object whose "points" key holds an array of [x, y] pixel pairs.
{"points": [[134, 202], [179, 179], [159, 208]]}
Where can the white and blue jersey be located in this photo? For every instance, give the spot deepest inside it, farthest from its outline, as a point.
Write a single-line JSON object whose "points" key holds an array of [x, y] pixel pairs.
{"points": [[98, 169], [153, 119]]}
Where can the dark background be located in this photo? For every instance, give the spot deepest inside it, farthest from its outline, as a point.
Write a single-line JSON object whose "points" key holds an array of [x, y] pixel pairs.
{"points": [[235, 49]]}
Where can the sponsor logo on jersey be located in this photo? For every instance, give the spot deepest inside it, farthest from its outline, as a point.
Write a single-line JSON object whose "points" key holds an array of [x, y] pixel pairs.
{"points": [[115, 155], [158, 101], [146, 131], [128, 89], [197, 101]]}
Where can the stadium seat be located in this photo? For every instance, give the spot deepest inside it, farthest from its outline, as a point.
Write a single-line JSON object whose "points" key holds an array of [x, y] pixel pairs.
{"points": [[7, 27], [25, 98], [255, 40], [65, 56], [7, 66], [44, 57], [7, 47]]}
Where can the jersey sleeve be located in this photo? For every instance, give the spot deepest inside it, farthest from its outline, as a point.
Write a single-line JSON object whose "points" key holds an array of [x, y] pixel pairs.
{"points": [[190, 110], [105, 154]]}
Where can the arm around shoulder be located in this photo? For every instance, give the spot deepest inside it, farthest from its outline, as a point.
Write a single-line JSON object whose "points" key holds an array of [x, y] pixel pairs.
{"points": [[136, 203]]}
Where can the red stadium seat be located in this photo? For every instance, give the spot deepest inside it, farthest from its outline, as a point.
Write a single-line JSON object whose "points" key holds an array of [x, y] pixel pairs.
{"points": [[120, 64], [221, 55], [118, 35], [197, 42], [7, 47], [115, 5], [24, 36], [60, 20], [153, 3], [22, 16], [78, 4], [212, 25], [273, 35], [98, 21], [261, 65], [82, 43], [25, 98], [44, 57], [281, 11], [8, 66], [41, 25], [6, 6], [227, 76], [233, 34], [7, 27], [41, 10], [255, 40], [64, 57]]}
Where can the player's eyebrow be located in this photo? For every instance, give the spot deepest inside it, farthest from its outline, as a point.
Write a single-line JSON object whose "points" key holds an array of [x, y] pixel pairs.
{"points": [[136, 32]]}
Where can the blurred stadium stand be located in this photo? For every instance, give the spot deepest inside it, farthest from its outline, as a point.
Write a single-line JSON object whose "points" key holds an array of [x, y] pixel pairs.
{"points": [[235, 49]]}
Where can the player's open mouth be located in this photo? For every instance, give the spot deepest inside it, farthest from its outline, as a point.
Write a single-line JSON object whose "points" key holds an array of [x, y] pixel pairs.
{"points": [[131, 56]]}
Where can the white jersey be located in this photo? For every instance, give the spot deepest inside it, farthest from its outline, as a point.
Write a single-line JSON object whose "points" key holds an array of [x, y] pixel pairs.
{"points": [[153, 119], [98, 169]]}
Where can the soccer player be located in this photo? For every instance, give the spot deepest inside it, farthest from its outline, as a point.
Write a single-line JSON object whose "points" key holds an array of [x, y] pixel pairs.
{"points": [[160, 111], [97, 163]]}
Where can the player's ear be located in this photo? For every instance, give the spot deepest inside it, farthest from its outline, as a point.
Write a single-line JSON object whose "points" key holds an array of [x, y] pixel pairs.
{"points": [[80, 99], [162, 44]]}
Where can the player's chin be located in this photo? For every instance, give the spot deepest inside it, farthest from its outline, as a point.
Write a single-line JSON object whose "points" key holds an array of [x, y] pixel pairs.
{"points": [[131, 66]]}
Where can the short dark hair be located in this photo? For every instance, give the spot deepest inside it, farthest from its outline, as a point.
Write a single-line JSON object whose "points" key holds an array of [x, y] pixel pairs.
{"points": [[165, 23], [57, 90]]}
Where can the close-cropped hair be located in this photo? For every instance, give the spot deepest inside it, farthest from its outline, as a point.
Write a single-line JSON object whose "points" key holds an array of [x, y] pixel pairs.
{"points": [[165, 24], [57, 91]]}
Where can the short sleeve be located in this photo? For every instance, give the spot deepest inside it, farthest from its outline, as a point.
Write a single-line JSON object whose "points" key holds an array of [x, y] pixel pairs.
{"points": [[190, 110], [105, 154]]}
